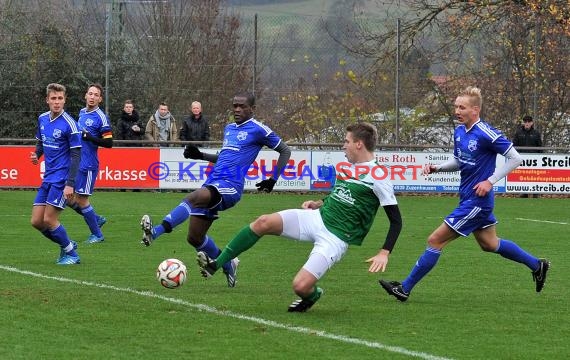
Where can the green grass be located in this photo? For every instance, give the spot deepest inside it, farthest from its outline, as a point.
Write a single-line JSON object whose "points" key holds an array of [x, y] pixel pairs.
{"points": [[473, 305]]}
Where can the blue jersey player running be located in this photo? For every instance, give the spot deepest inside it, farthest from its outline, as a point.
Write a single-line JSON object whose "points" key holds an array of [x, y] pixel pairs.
{"points": [[476, 145], [224, 187], [59, 140], [95, 131]]}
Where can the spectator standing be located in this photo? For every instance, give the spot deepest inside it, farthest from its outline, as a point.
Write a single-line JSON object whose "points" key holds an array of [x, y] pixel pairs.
{"points": [[527, 136], [130, 126], [162, 125], [195, 127]]}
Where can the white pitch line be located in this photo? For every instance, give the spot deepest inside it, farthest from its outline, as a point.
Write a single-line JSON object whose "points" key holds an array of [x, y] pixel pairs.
{"points": [[543, 221], [213, 310]]}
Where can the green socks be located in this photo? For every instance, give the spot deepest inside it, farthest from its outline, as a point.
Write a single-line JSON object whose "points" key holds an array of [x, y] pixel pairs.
{"points": [[244, 239]]}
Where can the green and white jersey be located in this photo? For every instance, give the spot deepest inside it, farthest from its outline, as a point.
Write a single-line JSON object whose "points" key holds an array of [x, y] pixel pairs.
{"points": [[349, 210]]}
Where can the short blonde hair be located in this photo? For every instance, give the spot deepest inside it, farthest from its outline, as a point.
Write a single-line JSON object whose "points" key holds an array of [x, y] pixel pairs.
{"points": [[55, 87], [474, 95]]}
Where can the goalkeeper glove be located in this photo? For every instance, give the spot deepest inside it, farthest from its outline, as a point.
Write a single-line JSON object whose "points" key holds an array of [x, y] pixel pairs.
{"points": [[86, 136], [266, 185], [192, 152]]}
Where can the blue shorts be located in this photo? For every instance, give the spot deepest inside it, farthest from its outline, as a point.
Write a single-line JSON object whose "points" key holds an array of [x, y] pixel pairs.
{"points": [[85, 182], [468, 217], [229, 197], [52, 194]]}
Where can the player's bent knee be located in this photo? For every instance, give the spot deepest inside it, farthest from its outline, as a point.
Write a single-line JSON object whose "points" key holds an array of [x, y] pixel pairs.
{"points": [[262, 225], [302, 288], [37, 223]]}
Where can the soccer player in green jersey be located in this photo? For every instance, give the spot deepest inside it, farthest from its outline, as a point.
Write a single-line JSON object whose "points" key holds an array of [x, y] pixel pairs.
{"points": [[342, 218]]}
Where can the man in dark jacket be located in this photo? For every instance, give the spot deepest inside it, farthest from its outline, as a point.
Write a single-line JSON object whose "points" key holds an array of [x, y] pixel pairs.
{"points": [[195, 127], [130, 127], [527, 135]]}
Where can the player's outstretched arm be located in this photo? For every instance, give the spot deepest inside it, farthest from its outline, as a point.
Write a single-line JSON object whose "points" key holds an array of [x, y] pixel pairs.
{"points": [[380, 260]]}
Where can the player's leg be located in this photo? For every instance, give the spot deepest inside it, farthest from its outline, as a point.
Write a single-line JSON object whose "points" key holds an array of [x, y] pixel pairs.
{"points": [[198, 198], [327, 251], [271, 224], [304, 285], [54, 206], [245, 239], [438, 239], [58, 233], [91, 218], [489, 241], [84, 185]]}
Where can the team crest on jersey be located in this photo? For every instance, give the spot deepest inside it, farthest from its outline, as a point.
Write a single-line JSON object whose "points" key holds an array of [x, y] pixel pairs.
{"points": [[472, 146], [242, 135], [89, 122], [57, 133]]}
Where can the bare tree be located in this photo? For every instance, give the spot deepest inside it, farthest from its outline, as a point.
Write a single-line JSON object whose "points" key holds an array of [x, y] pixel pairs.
{"points": [[514, 50]]}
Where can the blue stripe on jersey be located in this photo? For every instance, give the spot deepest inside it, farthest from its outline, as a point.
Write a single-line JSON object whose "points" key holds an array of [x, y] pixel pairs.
{"points": [[72, 123], [484, 127], [469, 216], [103, 117]]}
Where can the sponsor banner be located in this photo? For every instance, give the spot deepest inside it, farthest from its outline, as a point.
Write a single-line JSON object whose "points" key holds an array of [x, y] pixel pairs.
{"points": [[179, 173], [541, 174], [166, 168], [16, 169], [118, 168]]}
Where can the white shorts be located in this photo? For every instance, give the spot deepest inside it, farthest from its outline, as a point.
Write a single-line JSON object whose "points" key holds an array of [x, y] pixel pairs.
{"points": [[307, 225]]}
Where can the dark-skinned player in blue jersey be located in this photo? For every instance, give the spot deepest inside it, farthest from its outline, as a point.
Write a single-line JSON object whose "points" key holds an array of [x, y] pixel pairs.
{"points": [[224, 186]]}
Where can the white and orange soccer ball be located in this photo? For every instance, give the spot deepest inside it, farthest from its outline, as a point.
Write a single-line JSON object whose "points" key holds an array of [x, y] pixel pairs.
{"points": [[171, 273]]}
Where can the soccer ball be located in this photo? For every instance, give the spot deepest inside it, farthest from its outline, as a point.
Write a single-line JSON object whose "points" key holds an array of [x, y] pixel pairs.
{"points": [[171, 273]]}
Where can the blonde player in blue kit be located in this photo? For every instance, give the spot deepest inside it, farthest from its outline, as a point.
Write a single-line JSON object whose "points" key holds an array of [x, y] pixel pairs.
{"points": [[476, 145], [59, 140]]}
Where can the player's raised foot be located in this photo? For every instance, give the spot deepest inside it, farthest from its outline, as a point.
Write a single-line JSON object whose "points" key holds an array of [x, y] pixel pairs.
{"points": [[207, 264], [62, 252], [230, 270], [302, 305], [69, 260], [539, 275], [146, 226], [394, 288], [93, 239], [101, 220]]}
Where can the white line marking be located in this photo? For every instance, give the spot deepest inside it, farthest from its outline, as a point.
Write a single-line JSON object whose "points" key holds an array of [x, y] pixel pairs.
{"points": [[213, 310], [543, 221]]}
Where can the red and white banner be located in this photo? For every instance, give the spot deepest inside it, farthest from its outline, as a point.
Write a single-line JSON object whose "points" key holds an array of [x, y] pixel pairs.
{"points": [[166, 168]]}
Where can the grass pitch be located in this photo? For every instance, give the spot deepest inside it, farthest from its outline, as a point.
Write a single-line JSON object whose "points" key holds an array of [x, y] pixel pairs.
{"points": [[473, 305]]}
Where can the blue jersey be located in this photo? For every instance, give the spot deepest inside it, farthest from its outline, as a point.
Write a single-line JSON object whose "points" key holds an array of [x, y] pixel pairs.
{"points": [[476, 150], [242, 143], [58, 136], [95, 123]]}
